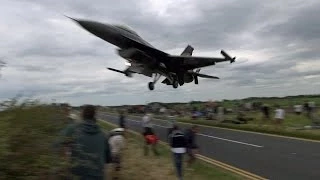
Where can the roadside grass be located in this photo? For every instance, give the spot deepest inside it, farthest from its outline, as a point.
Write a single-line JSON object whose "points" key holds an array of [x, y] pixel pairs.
{"points": [[138, 166], [27, 132]]}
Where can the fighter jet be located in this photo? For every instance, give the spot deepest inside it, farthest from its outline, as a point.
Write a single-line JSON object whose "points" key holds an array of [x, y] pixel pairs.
{"points": [[143, 58]]}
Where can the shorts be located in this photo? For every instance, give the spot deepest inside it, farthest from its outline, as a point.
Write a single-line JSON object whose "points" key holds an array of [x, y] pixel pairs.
{"points": [[117, 161]]}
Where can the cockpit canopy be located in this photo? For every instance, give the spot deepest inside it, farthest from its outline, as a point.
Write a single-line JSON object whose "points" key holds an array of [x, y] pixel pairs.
{"points": [[125, 28]]}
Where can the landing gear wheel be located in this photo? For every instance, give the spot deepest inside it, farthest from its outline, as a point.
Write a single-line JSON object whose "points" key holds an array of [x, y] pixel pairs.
{"points": [[175, 84], [151, 86]]}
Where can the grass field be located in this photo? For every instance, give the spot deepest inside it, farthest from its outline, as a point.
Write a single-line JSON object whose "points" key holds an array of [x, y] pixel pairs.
{"points": [[136, 164]]}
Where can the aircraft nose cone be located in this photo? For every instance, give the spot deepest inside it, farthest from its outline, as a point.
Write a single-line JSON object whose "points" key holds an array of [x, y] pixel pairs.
{"points": [[94, 27], [83, 23]]}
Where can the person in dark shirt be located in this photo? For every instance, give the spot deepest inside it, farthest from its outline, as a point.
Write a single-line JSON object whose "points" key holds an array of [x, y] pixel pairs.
{"points": [[85, 143], [178, 145], [122, 120], [266, 112], [192, 147]]}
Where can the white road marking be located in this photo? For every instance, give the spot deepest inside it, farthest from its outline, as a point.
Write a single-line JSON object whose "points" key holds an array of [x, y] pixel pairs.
{"points": [[239, 142], [214, 137]]}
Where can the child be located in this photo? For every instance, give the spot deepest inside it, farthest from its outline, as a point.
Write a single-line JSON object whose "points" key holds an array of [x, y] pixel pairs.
{"points": [[150, 139]]}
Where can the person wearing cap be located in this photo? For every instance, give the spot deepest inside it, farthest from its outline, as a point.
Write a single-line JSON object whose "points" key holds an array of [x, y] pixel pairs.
{"points": [[117, 144]]}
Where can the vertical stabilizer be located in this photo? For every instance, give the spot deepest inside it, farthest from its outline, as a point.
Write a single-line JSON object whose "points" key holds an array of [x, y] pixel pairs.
{"points": [[187, 51]]}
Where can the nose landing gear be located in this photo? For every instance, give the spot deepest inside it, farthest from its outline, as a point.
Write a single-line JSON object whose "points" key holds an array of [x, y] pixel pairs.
{"points": [[175, 83]]}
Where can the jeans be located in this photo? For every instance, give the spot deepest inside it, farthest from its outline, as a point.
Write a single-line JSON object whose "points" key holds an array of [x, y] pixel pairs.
{"points": [[177, 158]]}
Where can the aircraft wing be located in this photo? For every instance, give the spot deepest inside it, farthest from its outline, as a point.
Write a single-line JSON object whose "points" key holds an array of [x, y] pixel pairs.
{"points": [[146, 47], [192, 62]]}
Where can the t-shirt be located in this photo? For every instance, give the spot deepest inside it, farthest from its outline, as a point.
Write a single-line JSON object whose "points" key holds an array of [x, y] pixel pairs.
{"points": [[177, 142], [279, 114], [146, 121], [298, 108], [117, 143]]}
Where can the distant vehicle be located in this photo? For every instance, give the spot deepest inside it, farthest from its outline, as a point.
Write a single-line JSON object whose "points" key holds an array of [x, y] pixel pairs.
{"points": [[145, 59]]}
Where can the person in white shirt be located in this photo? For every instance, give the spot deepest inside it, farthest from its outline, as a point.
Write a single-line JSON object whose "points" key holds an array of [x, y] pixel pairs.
{"points": [[117, 144], [298, 109], [146, 122], [279, 115]]}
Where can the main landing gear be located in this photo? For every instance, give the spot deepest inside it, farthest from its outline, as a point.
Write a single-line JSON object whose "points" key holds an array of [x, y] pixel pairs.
{"points": [[175, 82]]}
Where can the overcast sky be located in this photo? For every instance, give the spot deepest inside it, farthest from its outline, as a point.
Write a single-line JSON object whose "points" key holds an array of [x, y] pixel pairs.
{"points": [[48, 56]]}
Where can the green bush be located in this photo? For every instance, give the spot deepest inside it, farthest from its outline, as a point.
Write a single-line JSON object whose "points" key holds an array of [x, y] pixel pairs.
{"points": [[28, 132]]}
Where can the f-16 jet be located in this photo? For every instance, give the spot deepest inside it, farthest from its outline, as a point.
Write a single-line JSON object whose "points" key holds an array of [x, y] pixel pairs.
{"points": [[143, 58]]}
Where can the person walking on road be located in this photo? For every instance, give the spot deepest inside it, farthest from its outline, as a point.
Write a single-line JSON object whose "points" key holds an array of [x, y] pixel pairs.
{"points": [[192, 147], [170, 122], [122, 120], [178, 146]]}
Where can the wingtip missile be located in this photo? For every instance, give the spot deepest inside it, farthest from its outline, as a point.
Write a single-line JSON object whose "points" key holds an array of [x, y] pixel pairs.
{"points": [[232, 60]]}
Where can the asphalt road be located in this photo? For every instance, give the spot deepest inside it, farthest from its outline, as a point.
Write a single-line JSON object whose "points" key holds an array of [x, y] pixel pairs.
{"points": [[267, 156]]}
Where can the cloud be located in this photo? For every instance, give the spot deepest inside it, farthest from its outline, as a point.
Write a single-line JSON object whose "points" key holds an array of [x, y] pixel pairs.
{"points": [[48, 56]]}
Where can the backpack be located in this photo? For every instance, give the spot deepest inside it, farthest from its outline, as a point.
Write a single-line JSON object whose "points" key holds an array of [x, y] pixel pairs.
{"points": [[151, 139]]}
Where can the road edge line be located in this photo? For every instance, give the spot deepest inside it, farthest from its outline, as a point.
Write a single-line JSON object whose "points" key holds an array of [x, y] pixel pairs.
{"points": [[207, 159]]}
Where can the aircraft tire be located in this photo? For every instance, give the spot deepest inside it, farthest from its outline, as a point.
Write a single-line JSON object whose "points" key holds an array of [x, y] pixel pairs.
{"points": [[175, 84], [151, 86]]}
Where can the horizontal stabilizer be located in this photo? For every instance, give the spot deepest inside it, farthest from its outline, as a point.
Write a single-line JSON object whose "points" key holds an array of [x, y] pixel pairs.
{"points": [[116, 70], [232, 60], [126, 72], [204, 75]]}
